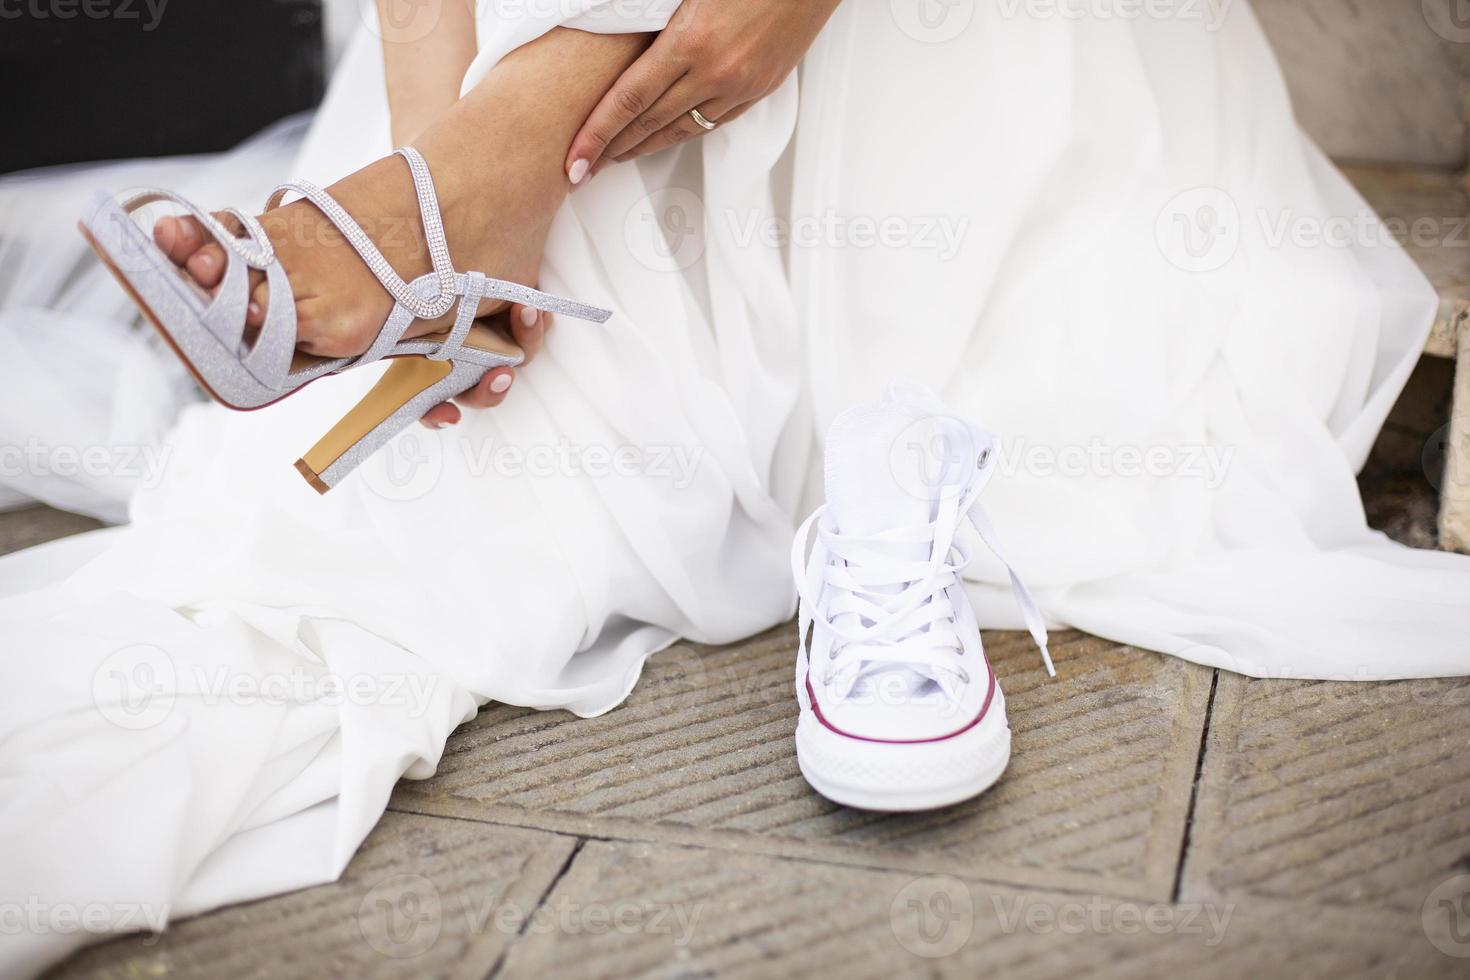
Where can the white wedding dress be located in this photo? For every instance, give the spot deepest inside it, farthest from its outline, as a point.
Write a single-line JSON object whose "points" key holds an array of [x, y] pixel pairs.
{"points": [[213, 703]]}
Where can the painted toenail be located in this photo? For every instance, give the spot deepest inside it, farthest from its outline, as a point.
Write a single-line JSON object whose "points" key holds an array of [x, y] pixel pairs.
{"points": [[501, 384], [255, 310], [528, 316]]}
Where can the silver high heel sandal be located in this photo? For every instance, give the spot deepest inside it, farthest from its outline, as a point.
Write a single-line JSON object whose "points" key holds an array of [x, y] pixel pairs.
{"points": [[208, 333]]}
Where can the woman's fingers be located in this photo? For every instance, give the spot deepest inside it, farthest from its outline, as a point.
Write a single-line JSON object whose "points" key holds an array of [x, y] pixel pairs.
{"points": [[684, 128], [633, 94], [440, 415], [528, 326], [489, 393], [491, 390], [671, 107]]}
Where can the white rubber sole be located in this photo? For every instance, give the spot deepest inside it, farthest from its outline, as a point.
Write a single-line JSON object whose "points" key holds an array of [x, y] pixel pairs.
{"points": [[904, 777]]}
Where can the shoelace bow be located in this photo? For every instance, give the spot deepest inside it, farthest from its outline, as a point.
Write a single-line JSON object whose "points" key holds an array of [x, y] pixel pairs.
{"points": [[900, 609]]}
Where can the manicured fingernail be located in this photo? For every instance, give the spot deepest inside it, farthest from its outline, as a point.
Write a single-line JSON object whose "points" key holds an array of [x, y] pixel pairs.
{"points": [[528, 316], [578, 171], [434, 424], [255, 310], [501, 384], [207, 259]]}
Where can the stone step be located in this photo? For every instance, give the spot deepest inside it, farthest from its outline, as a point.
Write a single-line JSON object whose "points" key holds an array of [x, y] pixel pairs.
{"points": [[1378, 83], [1428, 212]]}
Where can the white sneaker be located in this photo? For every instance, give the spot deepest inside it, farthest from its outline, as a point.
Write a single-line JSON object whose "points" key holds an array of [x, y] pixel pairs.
{"points": [[899, 707]]}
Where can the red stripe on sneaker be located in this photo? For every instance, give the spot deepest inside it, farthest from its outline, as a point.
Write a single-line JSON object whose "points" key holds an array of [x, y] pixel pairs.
{"points": [[984, 709]]}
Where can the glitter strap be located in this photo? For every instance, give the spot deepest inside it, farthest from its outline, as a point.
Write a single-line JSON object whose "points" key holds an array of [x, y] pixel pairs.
{"points": [[469, 303]]}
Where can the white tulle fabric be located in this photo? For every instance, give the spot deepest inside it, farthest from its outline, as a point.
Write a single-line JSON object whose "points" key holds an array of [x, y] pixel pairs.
{"points": [[1021, 169]]}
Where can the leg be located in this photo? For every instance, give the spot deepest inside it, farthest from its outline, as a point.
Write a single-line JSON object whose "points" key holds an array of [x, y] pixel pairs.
{"points": [[424, 74], [497, 163]]}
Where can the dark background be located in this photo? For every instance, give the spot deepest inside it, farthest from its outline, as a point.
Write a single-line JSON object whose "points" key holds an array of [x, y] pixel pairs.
{"points": [[102, 79]]}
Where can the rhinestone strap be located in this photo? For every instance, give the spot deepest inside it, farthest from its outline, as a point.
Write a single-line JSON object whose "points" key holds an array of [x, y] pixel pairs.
{"points": [[379, 266], [257, 253], [423, 186], [257, 233]]}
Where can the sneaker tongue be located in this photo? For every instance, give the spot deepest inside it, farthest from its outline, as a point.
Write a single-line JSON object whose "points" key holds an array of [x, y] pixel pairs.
{"points": [[875, 481], [889, 462]]}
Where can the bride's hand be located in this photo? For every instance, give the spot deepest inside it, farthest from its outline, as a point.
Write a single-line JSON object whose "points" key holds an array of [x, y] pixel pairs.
{"points": [[717, 56], [527, 327]]}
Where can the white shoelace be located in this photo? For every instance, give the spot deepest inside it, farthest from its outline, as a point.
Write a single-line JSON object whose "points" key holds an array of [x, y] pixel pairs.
{"points": [[900, 609]]}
